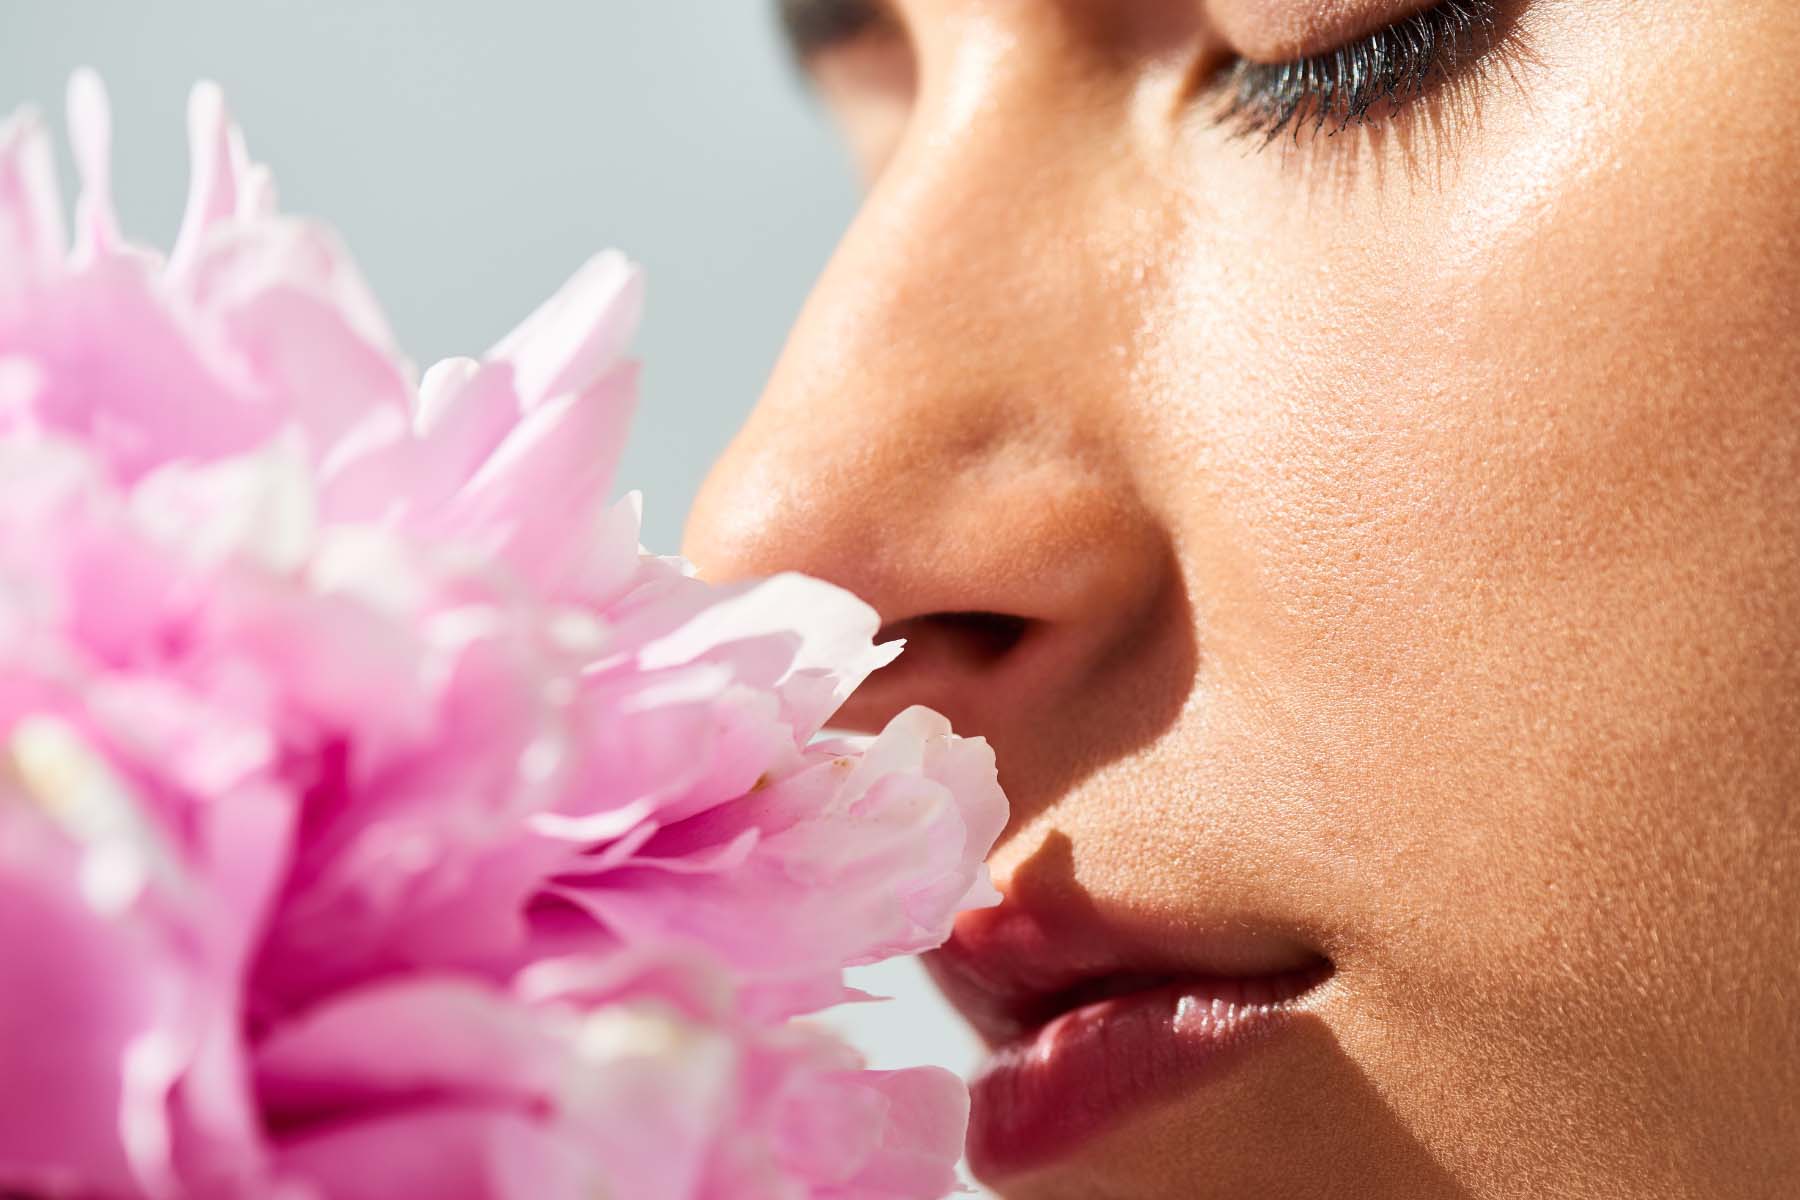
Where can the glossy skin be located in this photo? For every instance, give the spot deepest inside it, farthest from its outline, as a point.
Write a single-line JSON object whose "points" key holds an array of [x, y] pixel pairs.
{"points": [[1408, 526]]}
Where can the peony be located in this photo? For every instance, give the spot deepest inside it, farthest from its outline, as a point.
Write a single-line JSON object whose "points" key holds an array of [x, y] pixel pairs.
{"points": [[376, 818]]}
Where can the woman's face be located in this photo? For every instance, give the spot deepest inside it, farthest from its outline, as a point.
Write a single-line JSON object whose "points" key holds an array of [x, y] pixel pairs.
{"points": [[1374, 550]]}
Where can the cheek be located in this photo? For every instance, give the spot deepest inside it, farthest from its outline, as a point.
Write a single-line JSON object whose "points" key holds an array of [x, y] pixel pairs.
{"points": [[1491, 516]]}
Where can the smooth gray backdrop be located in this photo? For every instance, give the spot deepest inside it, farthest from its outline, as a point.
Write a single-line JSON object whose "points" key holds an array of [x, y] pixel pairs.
{"points": [[473, 154]]}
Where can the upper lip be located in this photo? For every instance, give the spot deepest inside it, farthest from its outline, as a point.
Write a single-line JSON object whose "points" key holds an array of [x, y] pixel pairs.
{"points": [[1014, 968]]}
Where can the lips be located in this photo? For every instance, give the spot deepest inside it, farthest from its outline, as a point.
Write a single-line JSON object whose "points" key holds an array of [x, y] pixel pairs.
{"points": [[1090, 1021]]}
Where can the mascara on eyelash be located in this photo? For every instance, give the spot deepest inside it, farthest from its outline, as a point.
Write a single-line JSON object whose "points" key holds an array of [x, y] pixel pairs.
{"points": [[1340, 87]]}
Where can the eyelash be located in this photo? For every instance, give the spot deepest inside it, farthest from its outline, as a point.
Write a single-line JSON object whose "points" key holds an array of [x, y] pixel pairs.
{"points": [[1344, 87]]}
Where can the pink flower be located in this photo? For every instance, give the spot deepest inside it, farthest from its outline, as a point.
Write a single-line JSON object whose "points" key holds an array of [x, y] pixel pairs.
{"points": [[376, 818]]}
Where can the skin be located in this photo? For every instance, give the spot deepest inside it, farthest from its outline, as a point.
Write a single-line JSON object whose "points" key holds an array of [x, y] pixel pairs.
{"points": [[1407, 529]]}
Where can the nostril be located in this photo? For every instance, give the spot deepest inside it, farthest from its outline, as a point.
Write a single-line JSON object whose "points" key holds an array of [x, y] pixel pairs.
{"points": [[955, 662], [973, 639]]}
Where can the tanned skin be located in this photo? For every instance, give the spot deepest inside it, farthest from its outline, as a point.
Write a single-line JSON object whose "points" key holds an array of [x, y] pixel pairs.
{"points": [[1393, 537]]}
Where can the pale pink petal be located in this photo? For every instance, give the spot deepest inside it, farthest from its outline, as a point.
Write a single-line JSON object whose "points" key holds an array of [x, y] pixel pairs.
{"points": [[120, 1013], [578, 335], [835, 631], [90, 137], [446, 1152], [544, 484], [387, 821], [79, 992], [218, 164], [128, 376], [465, 411], [920, 1135], [255, 508], [608, 559], [311, 362], [856, 860], [32, 238], [635, 1090]]}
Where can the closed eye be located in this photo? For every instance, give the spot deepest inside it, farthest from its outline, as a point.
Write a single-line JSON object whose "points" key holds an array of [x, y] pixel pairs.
{"points": [[1358, 82]]}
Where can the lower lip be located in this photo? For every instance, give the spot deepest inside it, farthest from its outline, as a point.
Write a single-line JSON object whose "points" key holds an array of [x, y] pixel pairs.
{"points": [[1040, 1098]]}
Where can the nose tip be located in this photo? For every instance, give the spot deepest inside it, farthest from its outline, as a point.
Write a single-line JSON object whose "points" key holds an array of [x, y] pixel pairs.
{"points": [[1053, 624], [1011, 569]]}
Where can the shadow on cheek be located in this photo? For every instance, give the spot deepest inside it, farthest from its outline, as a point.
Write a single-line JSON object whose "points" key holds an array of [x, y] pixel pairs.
{"points": [[1129, 695]]}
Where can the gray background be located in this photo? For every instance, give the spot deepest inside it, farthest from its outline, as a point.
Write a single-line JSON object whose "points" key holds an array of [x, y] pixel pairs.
{"points": [[473, 154]]}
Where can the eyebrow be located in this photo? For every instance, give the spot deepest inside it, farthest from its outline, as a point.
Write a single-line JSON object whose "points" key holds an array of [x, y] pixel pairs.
{"points": [[815, 26]]}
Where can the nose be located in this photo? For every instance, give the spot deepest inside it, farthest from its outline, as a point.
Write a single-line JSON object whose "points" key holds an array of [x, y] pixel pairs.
{"points": [[944, 435]]}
